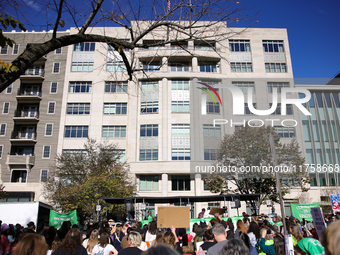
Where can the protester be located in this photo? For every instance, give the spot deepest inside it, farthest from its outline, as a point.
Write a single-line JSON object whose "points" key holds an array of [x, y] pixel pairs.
{"points": [[253, 233], [104, 246], [4, 239], [12, 246], [71, 244], [208, 240], [234, 247], [89, 243], [170, 239], [134, 241], [55, 245], [245, 238], [65, 227], [311, 246], [31, 244], [150, 216], [240, 228], [199, 238], [296, 233], [117, 238], [220, 237], [265, 246], [189, 249], [201, 214], [230, 229]]}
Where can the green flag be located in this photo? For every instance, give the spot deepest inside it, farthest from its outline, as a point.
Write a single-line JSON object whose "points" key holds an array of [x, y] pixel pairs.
{"points": [[57, 219], [303, 211]]}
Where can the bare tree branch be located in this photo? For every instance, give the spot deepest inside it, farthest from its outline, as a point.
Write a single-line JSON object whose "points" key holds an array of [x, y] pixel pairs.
{"points": [[91, 17], [58, 19]]}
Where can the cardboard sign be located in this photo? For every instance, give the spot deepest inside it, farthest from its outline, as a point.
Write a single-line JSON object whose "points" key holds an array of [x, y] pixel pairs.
{"points": [[318, 220], [217, 210], [178, 217]]}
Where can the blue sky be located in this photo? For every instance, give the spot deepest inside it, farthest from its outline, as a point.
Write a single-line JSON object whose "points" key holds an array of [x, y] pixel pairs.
{"points": [[312, 25]]}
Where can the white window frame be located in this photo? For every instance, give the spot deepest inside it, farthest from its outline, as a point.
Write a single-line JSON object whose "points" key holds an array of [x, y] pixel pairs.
{"points": [[14, 48], [41, 170], [51, 129], [43, 152], [48, 107], [3, 108], [56, 52], [5, 128], [53, 67], [56, 88], [10, 86], [1, 150]]}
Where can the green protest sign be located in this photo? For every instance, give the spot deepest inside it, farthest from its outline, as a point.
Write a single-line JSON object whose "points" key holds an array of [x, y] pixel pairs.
{"points": [[57, 219], [300, 211]]}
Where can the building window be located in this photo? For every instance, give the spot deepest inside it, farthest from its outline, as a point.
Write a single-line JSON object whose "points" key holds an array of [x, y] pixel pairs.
{"points": [[241, 67], [246, 108], [82, 67], [180, 154], [43, 175], [51, 107], [15, 49], [75, 152], [211, 131], [3, 129], [180, 106], [5, 110], [148, 154], [149, 107], [179, 67], [85, 46], [149, 130], [205, 45], [210, 154], [78, 108], [76, 131], [213, 107], [56, 67], [9, 89], [208, 67], [116, 86], [3, 50], [289, 109], [115, 108], [36, 70], [276, 67], [58, 51], [80, 87], [114, 131], [148, 182], [149, 85], [49, 129], [273, 46], [180, 182], [46, 151], [239, 45], [180, 85], [19, 176], [1, 149], [277, 85], [118, 66], [244, 86], [285, 132], [121, 156], [54, 87], [152, 67]]}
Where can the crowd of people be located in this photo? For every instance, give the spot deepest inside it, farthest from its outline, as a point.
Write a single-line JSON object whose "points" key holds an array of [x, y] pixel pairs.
{"points": [[249, 236]]}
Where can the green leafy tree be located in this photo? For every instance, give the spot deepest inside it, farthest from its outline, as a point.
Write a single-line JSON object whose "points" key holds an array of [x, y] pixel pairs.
{"points": [[80, 179], [249, 148]]}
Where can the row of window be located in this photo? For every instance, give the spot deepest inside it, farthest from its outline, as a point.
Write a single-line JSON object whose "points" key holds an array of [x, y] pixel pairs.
{"points": [[178, 182], [15, 50], [45, 154], [50, 109]]}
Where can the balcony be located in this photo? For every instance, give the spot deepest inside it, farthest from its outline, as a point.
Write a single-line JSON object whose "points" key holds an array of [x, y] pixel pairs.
{"points": [[36, 72], [28, 93], [29, 136], [20, 160], [26, 115]]}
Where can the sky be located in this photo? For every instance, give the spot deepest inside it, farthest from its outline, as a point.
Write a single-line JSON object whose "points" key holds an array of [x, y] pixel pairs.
{"points": [[313, 28]]}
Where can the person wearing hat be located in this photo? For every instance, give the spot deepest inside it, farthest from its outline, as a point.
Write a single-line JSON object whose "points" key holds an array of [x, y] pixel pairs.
{"points": [[30, 227], [309, 246], [199, 237]]}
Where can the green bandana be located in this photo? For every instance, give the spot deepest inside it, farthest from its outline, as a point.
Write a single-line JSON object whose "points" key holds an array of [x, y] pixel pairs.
{"points": [[311, 246]]}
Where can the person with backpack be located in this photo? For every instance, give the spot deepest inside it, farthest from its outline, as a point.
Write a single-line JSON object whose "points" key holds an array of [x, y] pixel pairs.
{"points": [[104, 247], [208, 240], [198, 237]]}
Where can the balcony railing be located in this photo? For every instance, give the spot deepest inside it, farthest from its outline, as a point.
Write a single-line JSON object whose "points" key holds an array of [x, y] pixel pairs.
{"points": [[20, 160], [26, 114], [30, 93], [35, 72], [24, 135]]}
